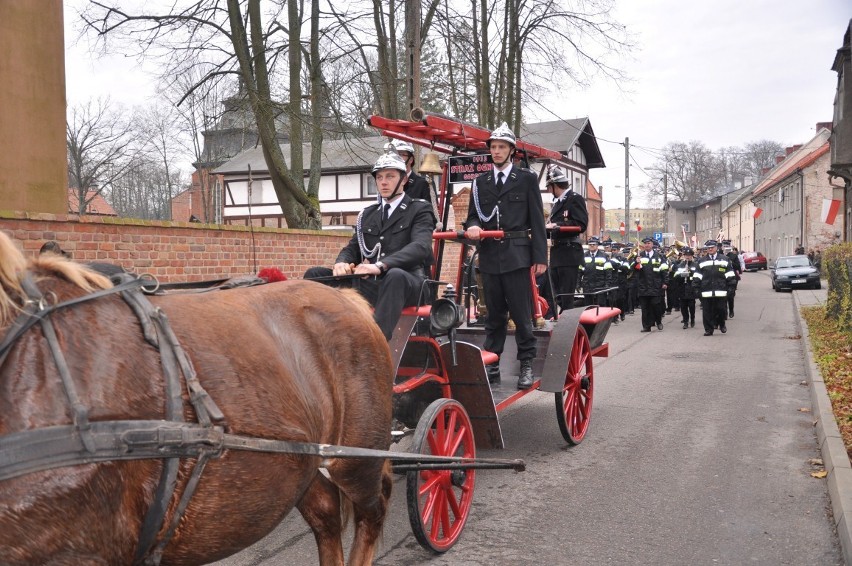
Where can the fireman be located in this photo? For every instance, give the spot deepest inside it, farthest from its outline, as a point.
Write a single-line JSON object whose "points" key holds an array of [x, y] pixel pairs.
{"points": [[566, 248], [597, 273], [682, 279], [712, 281]]}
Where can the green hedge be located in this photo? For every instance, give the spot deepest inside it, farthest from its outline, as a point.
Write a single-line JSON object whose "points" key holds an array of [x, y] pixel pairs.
{"points": [[837, 262]]}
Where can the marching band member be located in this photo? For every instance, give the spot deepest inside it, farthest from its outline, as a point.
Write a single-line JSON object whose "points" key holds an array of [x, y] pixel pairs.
{"points": [[596, 274], [651, 272], [713, 280], [683, 275]]}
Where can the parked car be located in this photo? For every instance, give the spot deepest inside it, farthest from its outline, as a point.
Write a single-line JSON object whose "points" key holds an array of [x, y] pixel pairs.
{"points": [[754, 261], [793, 271]]}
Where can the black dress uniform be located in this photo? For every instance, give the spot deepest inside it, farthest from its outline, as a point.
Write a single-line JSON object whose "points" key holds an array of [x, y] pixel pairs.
{"points": [[650, 271], [682, 279], [712, 281], [418, 187], [403, 244], [566, 249], [597, 275], [516, 208]]}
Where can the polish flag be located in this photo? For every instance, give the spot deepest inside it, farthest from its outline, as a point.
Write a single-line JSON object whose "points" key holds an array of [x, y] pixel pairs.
{"points": [[757, 213], [830, 207]]}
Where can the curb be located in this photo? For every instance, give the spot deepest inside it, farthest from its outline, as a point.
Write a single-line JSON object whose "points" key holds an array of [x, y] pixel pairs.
{"points": [[830, 443]]}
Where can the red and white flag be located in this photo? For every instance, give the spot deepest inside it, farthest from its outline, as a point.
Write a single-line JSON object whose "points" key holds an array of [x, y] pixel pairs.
{"points": [[830, 207], [757, 213]]}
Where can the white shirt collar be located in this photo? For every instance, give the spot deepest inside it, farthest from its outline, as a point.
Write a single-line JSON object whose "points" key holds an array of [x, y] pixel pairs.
{"points": [[394, 204], [506, 170]]}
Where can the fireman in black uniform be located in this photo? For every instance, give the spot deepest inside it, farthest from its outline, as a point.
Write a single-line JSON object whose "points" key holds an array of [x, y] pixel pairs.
{"points": [[651, 273], [712, 281], [508, 198], [682, 279], [393, 242], [415, 186], [597, 273], [566, 248]]}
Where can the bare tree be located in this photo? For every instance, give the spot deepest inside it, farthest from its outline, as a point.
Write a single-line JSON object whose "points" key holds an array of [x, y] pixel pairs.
{"points": [[101, 148], [225, 38]]}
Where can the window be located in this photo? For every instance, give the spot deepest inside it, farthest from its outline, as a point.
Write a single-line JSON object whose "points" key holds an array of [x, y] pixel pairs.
{"points": [[368, 186]]}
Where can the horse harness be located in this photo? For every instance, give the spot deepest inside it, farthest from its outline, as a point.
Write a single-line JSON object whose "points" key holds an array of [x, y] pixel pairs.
{"points": [[86, 442]]}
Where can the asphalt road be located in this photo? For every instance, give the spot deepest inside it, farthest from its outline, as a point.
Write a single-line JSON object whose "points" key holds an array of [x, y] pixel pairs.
{"points": [[698, 453]]}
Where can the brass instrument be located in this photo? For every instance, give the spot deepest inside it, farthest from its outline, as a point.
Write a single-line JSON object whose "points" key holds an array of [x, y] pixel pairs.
{"points": [[634, 252], [675, 249]]}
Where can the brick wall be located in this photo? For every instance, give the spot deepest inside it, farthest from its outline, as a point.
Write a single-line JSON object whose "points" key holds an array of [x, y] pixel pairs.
{"points": [[175, 251], [183, 251]]}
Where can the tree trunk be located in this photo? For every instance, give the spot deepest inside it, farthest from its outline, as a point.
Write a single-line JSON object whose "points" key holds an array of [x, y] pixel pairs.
{"points": [[299, 211]]}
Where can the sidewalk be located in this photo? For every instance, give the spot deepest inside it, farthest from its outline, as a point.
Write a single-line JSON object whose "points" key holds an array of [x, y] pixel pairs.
{"points": [[831, 446]]}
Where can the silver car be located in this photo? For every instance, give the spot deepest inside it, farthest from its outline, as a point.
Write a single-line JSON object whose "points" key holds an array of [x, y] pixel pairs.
{"points": [[794, 271]]}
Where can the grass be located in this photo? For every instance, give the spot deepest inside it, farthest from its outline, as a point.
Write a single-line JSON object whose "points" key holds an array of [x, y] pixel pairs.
{"points": [[832, 350]]}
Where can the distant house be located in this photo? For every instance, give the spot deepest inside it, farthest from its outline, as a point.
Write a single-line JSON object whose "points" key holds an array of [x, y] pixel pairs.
{"points": [[97, 205], [594, 206], [841, 133], [679, 219], [346, 185], [738, 218], [790, 200]]}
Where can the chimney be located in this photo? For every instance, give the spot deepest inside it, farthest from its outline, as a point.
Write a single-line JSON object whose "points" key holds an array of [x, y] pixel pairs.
{"points": [[793, 148], [779, 159], [824, 125], [764, 170]]}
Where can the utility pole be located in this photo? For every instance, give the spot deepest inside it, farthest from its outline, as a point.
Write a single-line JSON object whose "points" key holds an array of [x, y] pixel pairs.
{"points": [[627, 188]]}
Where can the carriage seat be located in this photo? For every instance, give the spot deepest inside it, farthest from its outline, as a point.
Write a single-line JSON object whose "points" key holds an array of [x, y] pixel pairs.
{"points": [[422, 311], [489, 357], [598, 314]]}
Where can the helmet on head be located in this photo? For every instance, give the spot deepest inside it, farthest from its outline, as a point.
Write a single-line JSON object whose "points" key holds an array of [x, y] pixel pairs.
{"points": [[555, 174], [389, 161], [399, 145], [687, 251], [502, 133]]}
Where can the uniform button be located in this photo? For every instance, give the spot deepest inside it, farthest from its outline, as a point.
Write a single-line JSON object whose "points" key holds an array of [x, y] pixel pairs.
{"points": [[498, 202], [381, 237]]}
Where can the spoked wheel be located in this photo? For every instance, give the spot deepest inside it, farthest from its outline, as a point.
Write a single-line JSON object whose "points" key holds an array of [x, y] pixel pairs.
{"points": [[439, 500], [574, 402]]}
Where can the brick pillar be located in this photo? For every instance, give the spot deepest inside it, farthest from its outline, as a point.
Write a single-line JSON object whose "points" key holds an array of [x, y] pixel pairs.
{"points": [[33, 174]]}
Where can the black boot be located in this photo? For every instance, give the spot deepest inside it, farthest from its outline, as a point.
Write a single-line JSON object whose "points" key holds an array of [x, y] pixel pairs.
{"points": [[525, 379], [493, 372]]}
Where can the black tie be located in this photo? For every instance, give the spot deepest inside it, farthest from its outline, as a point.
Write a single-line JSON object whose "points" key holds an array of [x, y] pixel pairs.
{"points": [[385, 213], [500, 180]]}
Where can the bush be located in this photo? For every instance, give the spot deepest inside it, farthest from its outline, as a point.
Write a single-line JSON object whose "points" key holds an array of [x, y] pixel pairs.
{"points": [[837, 261]]}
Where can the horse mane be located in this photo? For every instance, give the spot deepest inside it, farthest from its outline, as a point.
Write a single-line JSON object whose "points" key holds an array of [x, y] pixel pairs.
{"points": [[14, 266]]}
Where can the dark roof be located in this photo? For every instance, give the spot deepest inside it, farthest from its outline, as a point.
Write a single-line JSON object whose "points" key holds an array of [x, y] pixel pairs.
{"points": [[683, 204], [357, 154], [561, 135]]}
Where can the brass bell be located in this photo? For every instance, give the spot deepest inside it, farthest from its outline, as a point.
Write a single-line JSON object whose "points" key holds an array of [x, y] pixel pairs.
{"points": [[430, 164]]}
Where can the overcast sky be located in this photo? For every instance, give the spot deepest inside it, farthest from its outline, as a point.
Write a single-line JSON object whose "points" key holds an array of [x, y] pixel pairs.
{"points": [[723, 72]]}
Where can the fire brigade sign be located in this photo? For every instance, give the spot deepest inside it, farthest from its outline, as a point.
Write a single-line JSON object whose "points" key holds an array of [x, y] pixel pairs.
{"points": [[466, 168]]}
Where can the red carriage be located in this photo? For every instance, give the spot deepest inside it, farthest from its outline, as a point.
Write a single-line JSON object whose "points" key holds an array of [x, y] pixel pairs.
{"points": [[441, 384]]}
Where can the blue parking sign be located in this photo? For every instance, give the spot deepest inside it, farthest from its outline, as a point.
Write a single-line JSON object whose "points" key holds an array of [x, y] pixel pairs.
{"points": [[658, 236]]}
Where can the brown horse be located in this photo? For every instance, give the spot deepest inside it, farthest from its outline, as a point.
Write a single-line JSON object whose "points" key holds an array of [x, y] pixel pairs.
{"points": [[294, 361]]}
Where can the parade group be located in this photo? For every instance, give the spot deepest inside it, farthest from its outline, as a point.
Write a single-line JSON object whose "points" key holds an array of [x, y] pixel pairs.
{"points": [[389, 256]]}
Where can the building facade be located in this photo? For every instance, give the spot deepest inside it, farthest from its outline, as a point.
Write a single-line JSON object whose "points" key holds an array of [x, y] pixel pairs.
{"points": [[789, 201], [841, 133], [347, 186]]}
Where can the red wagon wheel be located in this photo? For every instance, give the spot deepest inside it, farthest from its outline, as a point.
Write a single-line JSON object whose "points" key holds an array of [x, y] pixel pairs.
{"points": [[439, 500], [574, 402]]}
